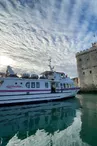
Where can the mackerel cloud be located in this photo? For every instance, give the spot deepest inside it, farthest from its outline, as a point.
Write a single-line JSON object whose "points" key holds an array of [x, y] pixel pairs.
{"points": [[32, 31]]}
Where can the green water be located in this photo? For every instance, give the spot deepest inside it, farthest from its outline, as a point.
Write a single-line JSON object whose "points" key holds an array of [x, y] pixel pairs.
{"points": [[70, 122]]}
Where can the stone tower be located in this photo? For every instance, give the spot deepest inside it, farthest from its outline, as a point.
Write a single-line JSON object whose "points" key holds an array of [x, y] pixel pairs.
{"points": [[87, 68]]}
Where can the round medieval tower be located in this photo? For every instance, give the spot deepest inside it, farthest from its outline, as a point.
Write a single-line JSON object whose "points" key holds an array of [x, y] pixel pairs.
{"points": [[87, 68]]}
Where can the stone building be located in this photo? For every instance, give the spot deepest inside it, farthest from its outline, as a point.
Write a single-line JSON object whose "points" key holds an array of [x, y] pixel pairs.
{"points": [[76, 81], [87, 68]]}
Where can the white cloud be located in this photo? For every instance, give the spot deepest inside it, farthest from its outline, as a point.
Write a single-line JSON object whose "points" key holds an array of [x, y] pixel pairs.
{"points": [[35, 31]]}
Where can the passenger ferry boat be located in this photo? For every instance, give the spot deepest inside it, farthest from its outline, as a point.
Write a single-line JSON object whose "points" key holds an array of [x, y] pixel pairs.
{"points": [[50, 85]]}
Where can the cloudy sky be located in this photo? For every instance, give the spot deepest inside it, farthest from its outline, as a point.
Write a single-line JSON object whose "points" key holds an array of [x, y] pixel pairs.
{"points": [[32, 31]]}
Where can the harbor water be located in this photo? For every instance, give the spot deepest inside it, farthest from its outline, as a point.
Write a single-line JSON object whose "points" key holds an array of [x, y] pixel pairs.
{"points": [[72, 122]]}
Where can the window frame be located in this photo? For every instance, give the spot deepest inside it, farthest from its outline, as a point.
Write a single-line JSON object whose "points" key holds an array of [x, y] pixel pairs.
{"points": [[37, 84], [46, 85], [57, 84], [83, 73], [32, 83], [27, 85], [64, 85]]}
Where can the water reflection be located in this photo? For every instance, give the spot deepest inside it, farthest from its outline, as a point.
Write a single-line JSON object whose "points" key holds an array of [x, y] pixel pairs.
{"points": [[89, 118], [46, 124]]}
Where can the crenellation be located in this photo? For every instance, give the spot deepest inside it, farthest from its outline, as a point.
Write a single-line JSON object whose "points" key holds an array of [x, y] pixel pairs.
{"points": [[86, 51]]}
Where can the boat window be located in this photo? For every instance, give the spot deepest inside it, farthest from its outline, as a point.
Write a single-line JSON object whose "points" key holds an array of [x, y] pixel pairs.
{"points": [[46, 84], [61, 84], [28, 84], [64, 85], [32, 84], [16, 83], [67, 85], [57, 85], [37, 85], [62, 75]]}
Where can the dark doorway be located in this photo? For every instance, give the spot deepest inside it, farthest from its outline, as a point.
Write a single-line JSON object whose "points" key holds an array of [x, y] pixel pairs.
{"points": [[53, 87]]}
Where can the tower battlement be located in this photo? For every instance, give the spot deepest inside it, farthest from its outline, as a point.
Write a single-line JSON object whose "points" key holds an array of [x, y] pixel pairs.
{"points": [[93, 48]]}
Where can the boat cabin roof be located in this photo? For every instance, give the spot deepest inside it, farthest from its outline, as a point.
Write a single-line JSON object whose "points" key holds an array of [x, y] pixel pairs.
{"points": [[50, 72], [47, 72]]}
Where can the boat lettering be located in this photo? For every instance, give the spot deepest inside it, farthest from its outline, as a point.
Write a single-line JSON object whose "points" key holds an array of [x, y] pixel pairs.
{"points": [[11, 86]]}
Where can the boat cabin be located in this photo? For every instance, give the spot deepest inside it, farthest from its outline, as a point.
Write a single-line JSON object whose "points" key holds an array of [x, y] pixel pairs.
{"points": [[52, 75], [57, 80]]}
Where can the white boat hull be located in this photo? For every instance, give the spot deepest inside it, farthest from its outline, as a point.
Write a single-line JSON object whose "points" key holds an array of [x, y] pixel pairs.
{"points": [[9, 99], [19, 90]]}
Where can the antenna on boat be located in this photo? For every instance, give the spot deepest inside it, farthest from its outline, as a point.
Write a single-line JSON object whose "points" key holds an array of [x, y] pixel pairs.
{"points": [[50, 66]]}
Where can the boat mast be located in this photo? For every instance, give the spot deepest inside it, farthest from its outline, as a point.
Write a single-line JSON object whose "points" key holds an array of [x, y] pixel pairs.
{"points": [[50, 66]]}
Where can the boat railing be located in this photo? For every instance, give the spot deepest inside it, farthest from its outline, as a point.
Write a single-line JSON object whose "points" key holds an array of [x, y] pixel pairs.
{"points": [[11, 75]]}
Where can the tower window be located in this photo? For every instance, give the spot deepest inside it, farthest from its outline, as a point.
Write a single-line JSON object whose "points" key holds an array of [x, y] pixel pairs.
{"points": [[90, 71], [80, 59], [83, 73]]}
